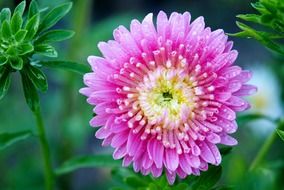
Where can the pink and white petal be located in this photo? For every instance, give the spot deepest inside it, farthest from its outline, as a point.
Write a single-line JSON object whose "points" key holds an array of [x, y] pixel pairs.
{"points": [[171, 159], [184, 165], [156, 172], [206, 153], [224, 60], [226, 113], [86, 91], [244, 76], [107, 140], [147, 162], [171, 177], [126, 160], [192, 160], [228, 140], [133, 142], [119, 139], [215, 151], [162, 23], [103, 133], [246, 90], [127, 41], [213, 138], [181, 173], [119, 152], [137, 165]]}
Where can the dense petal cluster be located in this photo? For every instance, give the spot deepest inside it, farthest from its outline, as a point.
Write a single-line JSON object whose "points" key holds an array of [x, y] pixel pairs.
{"points": [[164, 96]]}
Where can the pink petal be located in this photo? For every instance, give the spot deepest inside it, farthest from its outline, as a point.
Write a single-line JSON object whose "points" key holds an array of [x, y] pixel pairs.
{"points": [[171, 177], [119, 139], [227, 113], [213, 138], [185, 166], [246, 90], [171, 159], [193, 161], [206, 154], [228, 140], [103, 133], [244, 76], [119, 152], [156, 172], [126, 161], [215, 151], [162, 23], [133, 143]]}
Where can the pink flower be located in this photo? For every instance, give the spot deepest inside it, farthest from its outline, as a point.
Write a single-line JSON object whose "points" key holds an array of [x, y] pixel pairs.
{"points": [[166, 95]]}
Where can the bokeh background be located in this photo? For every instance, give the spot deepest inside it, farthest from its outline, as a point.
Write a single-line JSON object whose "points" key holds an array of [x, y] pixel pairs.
{"points": [[66, 113]]}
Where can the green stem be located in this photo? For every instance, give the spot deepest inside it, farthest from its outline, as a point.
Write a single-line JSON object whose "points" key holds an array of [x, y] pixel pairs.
{"points": [[48, 173], [265, 147]]}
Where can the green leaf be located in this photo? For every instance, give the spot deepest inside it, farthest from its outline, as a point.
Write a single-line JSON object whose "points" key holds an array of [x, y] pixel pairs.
{"points": [[270, 21], [20, 35], [38, 78], [67, 65], [55, 36], [16, 23], [208, 179], [280, 133], [20, 8], [3, 60], [223, 188], [54, 16], [32, 26], [8, 139], [181, 186], [87, 162], [250, 17], [135, 181], [225, 150], [30, 92], [25, 48], [46, 50], [16, 62], [5, 15], [245, 118], [33, 9], [12, 51], [6, 30], [5, 81]]}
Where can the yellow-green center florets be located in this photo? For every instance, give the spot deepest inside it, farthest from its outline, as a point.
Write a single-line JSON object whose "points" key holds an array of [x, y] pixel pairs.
{"points": [[166, 96]]}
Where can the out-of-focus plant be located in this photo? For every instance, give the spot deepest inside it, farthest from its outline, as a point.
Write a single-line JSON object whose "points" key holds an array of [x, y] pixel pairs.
{"points": [[270, 24], [269, 31], [126, 179], [25, 42]]}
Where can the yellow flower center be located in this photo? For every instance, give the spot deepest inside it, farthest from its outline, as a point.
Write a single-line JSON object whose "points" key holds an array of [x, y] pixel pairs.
{"points": [[166, 96]]}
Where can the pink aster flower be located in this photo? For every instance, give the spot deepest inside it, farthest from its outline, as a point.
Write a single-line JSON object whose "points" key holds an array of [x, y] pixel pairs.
{"points": [[164, 96]]}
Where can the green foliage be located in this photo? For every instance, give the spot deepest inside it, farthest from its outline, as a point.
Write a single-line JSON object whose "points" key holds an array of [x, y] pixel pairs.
{"points": [[127, 179], [56, 14], [245, 118], [280, 133], [87, 162], [4, 82], [22, 37], [67, 65], [280, 129], [208, 179], [269, 22], [30, 92], [7, 139]]}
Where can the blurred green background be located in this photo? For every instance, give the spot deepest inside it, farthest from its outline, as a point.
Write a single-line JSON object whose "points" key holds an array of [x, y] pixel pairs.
{"points": [[66, 114]]}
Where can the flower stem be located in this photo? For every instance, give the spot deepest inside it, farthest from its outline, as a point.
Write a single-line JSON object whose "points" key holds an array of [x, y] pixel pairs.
{"points": [[265, 147], [48, 173]]}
